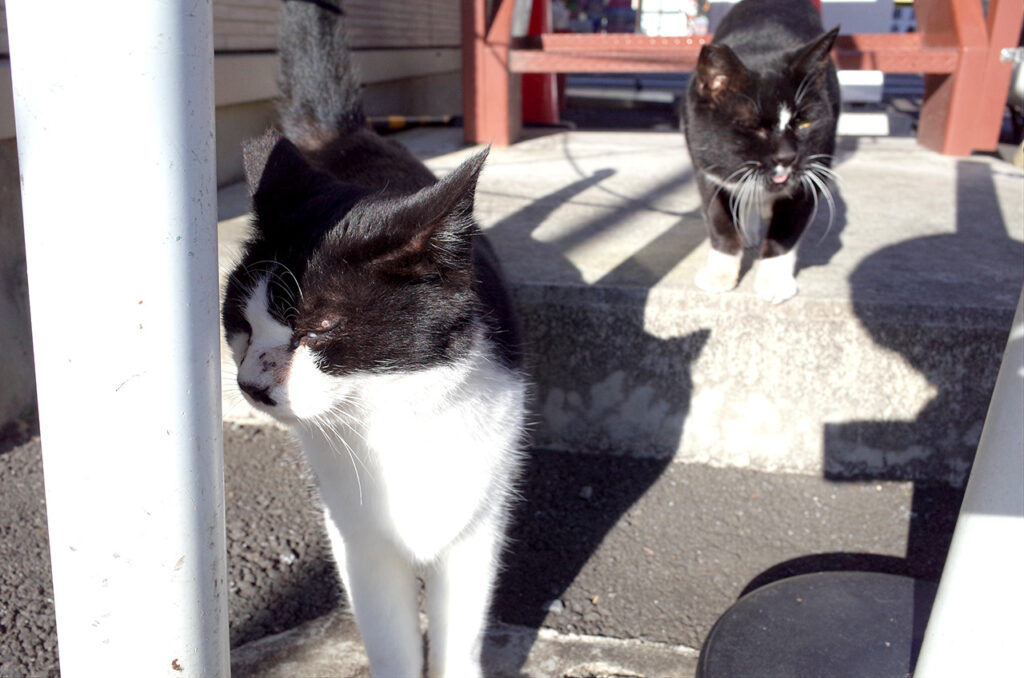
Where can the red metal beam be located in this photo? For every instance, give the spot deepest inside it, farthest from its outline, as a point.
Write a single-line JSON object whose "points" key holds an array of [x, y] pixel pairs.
{"points": [[613, 42], [537, 61], [603, 53], [893, 53]]}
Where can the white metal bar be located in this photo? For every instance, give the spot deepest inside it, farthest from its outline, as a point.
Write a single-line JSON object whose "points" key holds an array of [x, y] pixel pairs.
{"points": [[114, 118], [976, 627]]}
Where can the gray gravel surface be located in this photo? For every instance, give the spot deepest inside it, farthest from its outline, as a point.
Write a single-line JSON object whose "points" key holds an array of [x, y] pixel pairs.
{"points": [[28, 636], [280, 571], [611, 546]]}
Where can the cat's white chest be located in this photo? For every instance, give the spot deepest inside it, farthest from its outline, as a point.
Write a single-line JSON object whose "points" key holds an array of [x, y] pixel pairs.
{"points": [[421, 457]]}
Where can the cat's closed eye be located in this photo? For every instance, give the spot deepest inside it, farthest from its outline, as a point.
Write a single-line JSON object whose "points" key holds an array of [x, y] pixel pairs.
{"points": [[311, 340], [753, 127], [317, 336]]}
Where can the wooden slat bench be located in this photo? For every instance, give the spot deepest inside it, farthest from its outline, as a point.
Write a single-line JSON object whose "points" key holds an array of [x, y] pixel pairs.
{"points": [[956, 46]]}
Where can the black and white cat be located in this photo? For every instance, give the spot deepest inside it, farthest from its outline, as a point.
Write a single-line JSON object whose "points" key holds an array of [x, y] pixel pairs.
{"points": [[368, 314], [761, 113]]}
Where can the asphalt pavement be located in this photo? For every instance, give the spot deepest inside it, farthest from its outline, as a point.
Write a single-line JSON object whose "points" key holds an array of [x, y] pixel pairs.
{"points": [[603, 548]]}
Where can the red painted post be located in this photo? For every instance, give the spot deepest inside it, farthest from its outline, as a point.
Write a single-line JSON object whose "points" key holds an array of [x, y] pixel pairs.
{"points": [[490, 93], [953, 102]]}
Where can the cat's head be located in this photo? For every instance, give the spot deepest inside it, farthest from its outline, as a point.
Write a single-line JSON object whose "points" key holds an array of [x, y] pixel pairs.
{"points": [[770, 123], [338, 283]]}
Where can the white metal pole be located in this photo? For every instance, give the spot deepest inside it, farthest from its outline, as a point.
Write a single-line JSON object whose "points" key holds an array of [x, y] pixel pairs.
{"points": [[114, 118], [976, 627]]}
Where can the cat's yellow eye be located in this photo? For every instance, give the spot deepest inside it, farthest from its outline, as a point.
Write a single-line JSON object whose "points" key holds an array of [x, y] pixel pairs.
{"points": [[805, 124]]}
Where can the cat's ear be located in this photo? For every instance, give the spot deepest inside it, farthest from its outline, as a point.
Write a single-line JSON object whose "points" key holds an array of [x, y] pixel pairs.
{"points": [[436, 224], [815, 55], [719, 70]]}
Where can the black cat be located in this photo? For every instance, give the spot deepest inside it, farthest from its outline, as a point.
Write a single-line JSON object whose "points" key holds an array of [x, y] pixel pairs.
{"points": [[761, 114]]}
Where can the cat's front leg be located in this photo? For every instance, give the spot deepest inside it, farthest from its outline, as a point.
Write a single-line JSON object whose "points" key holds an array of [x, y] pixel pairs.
{"points": [[776, 277], [721, 273], [775, 280], [458, 590], [383, 590]]}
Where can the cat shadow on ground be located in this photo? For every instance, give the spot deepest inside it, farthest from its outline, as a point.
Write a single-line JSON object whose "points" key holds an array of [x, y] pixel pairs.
{"points": [[945, 304], [571, 500]]}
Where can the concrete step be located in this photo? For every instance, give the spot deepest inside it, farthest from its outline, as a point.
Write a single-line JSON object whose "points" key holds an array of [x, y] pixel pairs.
{"points": [[882, 366]]}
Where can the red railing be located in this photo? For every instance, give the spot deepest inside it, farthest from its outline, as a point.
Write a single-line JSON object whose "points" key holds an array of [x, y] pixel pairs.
{"points": [[956, 46]]}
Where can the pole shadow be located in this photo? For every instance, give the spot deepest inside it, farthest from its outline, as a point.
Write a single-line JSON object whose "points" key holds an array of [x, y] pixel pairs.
{"points": [[587, 385]]}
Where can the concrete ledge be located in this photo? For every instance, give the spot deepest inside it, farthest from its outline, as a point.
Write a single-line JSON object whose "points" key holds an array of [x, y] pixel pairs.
{"points": [[801, 388]]}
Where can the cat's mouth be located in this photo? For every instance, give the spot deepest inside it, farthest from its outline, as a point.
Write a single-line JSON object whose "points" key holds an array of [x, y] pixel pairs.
{"points": [[780, 176]]}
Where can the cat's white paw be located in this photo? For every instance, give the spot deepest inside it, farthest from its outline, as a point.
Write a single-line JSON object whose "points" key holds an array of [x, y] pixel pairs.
{"points": [[720, 274], [775, 281], [715, 281], [775, 289]]}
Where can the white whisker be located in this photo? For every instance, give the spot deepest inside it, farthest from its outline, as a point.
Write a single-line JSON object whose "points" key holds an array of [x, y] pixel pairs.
{"points": [[333, 436], [274, 264], [820, 185], [744, 206]]}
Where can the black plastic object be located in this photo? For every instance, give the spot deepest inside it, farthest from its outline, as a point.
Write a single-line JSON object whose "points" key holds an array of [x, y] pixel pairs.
{"points": [[822, 625]]}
